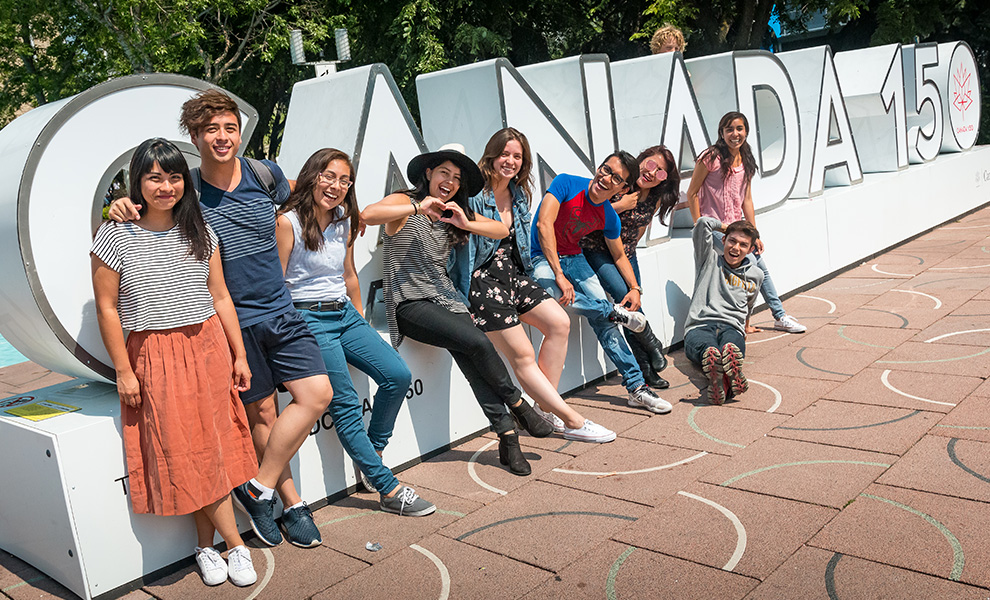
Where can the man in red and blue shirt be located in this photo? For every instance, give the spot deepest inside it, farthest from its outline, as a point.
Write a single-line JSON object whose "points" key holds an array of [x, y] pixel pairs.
{"points": [[572, 208]]}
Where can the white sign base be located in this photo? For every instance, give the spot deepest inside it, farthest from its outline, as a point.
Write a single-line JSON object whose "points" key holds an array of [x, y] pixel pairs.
{"points": [[63, 502]]}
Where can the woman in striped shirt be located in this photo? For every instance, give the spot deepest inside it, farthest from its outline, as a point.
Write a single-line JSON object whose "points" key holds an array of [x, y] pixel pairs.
{"points": [[421, 227], [186, 436]]}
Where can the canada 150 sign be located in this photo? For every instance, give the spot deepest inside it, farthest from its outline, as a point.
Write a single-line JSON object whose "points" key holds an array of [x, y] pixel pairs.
{"points": [[818, 119]]}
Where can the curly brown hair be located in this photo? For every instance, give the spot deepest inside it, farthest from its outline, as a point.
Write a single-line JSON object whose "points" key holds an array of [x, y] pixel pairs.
{"points": [[667, 33], [201, 108]]}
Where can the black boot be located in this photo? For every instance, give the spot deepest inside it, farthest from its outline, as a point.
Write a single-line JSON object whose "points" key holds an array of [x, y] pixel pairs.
{"points": [[653, 348], [649, 375], [527, 419], [509, 453]]}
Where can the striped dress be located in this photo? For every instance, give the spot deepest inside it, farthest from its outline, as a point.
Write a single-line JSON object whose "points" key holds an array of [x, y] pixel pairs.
{"points": [[415, 261]]}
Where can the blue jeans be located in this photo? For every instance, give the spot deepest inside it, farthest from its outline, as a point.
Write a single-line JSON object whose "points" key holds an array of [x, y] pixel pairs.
{"points": [[590, 302], [767, 290], [609, 274], [345, 338], [711, 334], [612, 280]]}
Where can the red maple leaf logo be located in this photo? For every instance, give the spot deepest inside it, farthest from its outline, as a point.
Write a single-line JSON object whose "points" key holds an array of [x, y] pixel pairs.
{"points": [[962, 94]]}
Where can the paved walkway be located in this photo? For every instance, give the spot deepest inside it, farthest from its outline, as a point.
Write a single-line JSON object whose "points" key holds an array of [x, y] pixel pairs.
{"points": [[857, 466]]}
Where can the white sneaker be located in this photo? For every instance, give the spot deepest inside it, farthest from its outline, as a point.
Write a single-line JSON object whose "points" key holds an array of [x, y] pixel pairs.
{"points": [[556, 422], [364, 480], [211, 566], [645, 397], [241, 569], [633, 321], [789, 324], [590, 432]]}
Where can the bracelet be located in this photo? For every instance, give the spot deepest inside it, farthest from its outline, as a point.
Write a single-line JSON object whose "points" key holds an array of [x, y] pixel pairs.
{"points": [[106, 212], [638, 289], [415, 206]]}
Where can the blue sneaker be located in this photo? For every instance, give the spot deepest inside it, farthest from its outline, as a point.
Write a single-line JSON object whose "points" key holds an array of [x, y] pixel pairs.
{"points": [[260, 513], [299, 527]]}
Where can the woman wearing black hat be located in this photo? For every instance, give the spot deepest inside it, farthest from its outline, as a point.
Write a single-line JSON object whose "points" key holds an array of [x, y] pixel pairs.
{"points": [[421, 227]]}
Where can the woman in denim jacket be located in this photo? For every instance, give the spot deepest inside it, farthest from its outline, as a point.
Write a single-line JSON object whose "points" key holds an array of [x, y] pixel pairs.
{"points": [[494, 276]]}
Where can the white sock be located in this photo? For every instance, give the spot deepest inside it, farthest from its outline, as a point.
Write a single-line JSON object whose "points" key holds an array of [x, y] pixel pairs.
{"points": [[296, 505], [266, 492]]}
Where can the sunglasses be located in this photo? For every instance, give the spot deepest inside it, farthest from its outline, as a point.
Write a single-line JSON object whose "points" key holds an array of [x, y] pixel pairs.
{"points": [[651, 167]]}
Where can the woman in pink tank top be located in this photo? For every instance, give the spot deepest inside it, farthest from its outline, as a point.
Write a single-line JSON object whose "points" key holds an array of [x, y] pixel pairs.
{"points": [[721, 187]]}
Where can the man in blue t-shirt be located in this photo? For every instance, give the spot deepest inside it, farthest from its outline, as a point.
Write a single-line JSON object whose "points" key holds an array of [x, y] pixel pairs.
{"points": [[572, 208], [281, 350]]}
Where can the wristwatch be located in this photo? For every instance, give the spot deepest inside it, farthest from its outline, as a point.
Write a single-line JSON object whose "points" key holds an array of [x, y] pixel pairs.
{"points": [[638, 289]]}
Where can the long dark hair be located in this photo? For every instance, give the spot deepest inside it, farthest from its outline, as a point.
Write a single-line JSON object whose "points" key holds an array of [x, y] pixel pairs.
{"points": [[493, 149], [665, 195], [421, 189], [301, 199], [186, 211], [722, 149]]}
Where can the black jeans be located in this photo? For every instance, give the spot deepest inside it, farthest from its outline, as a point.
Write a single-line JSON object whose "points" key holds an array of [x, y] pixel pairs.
{"points": [[432, 324], [712, 333]]}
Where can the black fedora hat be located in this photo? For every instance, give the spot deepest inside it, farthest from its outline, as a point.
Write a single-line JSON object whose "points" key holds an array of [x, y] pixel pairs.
{"points": [[471, 179]]}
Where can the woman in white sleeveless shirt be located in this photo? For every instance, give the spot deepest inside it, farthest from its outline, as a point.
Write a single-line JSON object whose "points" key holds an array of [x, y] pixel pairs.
{"points": [[316, 230]]}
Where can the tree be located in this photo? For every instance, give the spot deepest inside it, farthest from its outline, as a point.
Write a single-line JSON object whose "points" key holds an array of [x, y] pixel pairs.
{"points": [[59, 48], [50, 49]]}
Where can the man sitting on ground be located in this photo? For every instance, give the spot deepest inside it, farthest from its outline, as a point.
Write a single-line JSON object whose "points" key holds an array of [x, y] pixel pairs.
{"points": [[725, 290]]}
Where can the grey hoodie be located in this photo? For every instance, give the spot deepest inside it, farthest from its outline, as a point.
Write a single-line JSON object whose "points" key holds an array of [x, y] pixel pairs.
{"points": [[721, 293]]}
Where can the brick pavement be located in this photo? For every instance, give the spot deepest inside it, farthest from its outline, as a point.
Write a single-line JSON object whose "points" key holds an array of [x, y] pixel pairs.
{"points": [[857, 466]]}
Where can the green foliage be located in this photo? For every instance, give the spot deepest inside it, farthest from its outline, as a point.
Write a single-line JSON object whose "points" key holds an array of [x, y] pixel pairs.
{"points": [[51, 49], [663, 12]]}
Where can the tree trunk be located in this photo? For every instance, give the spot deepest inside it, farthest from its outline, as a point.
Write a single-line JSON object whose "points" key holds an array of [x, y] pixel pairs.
{"points": [[744, 25], [760, 23], [33, 84]]}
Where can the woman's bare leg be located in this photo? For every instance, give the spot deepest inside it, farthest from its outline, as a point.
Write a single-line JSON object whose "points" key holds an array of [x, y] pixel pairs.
{"points": [[551, 320], [220, 515], [516, 346]]}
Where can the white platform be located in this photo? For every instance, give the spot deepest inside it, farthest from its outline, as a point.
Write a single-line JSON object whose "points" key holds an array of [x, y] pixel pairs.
{"points": [[63, 499]]}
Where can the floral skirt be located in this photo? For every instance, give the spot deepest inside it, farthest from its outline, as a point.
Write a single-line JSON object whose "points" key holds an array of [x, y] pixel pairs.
{"points": [[188, 443], [500, 292]]}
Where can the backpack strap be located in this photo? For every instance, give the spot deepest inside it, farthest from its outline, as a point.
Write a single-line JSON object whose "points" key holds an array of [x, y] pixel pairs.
{"points": [[261, 171], [197, 179]]}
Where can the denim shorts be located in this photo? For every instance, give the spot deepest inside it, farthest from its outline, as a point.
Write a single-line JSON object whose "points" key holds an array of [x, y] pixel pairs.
{"points": [[279, 349]]}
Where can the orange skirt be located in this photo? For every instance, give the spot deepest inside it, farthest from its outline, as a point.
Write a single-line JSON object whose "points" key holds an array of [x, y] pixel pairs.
{"points": [[188, 444]]}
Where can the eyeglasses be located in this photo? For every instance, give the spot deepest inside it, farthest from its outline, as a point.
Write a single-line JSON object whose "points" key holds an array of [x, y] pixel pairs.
{"points": [[651, 167], [332, 179], [606, 171]]}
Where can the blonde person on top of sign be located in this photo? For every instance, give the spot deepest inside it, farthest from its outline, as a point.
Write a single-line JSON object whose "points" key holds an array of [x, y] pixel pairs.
{"points": [[495, 277], [186, 436], [657, 192], [421, 227], [721, 187], [316, 231], [667, 39]]}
